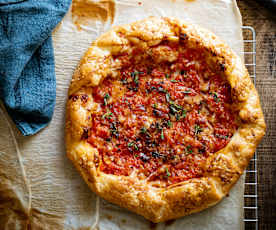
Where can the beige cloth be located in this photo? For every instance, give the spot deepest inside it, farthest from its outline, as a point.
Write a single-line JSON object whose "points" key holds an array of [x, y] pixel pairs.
{"points": [[40, 188]]}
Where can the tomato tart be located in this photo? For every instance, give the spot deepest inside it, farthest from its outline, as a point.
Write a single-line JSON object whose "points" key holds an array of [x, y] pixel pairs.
{"points": [[162, 118]]}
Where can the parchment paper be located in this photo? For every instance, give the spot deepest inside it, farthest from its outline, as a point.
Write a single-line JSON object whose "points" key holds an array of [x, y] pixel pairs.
{"points": [[40, 188]]}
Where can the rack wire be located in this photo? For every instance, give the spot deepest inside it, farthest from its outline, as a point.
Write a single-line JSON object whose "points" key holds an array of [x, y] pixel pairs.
{"points": [[251, 178]]}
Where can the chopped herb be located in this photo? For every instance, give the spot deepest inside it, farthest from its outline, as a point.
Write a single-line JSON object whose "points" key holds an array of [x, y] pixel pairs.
{"points": [[136, 79], [132, 144], [135, 89], [113, 129], [168, 97], [173, 110], [155, 105], [156, 154], [198, 129], [161, 90], [189, 149], [215, 96], [136, 155], [169, 123], [177, 106], [124, 81], [162, 135], [157, 125], [167, 75], [133, 74], [173, 81], [107, 115], [221, 136], [106, 97], [183, 113], [187, 91], [143, 130], [168, 174]]}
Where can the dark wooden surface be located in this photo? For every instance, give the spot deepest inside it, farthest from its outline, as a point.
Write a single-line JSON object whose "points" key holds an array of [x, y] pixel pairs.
{"points": [[264, 23]]}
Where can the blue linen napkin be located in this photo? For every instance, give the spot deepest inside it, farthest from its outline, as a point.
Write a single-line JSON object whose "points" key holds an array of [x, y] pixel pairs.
{"points": [[27, 71]]}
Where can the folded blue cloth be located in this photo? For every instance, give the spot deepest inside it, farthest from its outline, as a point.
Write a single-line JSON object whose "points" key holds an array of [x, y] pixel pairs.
{"points": [[27, 71]]}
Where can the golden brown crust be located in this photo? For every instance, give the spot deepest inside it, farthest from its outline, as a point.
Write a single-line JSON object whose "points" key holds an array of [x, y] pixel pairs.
{"points": [[223, 168]]}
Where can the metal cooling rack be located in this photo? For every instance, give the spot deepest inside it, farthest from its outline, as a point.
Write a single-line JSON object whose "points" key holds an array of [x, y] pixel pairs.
{"points": [[251, 179]]}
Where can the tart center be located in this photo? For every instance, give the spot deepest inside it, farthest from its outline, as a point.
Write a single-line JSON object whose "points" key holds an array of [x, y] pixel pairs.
{"points": [[165, 114]]}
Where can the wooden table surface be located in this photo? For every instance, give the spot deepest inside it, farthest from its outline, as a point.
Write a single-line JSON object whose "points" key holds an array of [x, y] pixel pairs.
{"points": [[264, 23]]}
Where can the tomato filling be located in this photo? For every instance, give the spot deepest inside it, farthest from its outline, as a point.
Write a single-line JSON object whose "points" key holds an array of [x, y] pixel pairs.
{"points": [[162, 120]]}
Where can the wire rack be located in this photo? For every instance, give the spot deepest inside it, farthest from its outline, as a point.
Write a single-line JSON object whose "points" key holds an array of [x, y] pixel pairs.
{"points": [[251, 178]]}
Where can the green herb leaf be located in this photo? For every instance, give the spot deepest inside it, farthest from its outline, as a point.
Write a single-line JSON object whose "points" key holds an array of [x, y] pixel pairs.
{"points": [[161, 90], [221, 136], [168, 174], [215, 96], [124, 81], [156, 154], [173, 81], [132, 144], [107, 115], [162, 135], [187, 91], [178, 106], [133, 74], [173, 110], [169, 123], [184, 113], [198, 129], [168, 97], [189, 149], [113, 130], [167, 75], [106, 97], [143, 130], [136, 79]]}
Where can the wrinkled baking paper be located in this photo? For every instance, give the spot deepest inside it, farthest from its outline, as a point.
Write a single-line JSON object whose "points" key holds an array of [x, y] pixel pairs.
{"points": [[40, 188]]}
